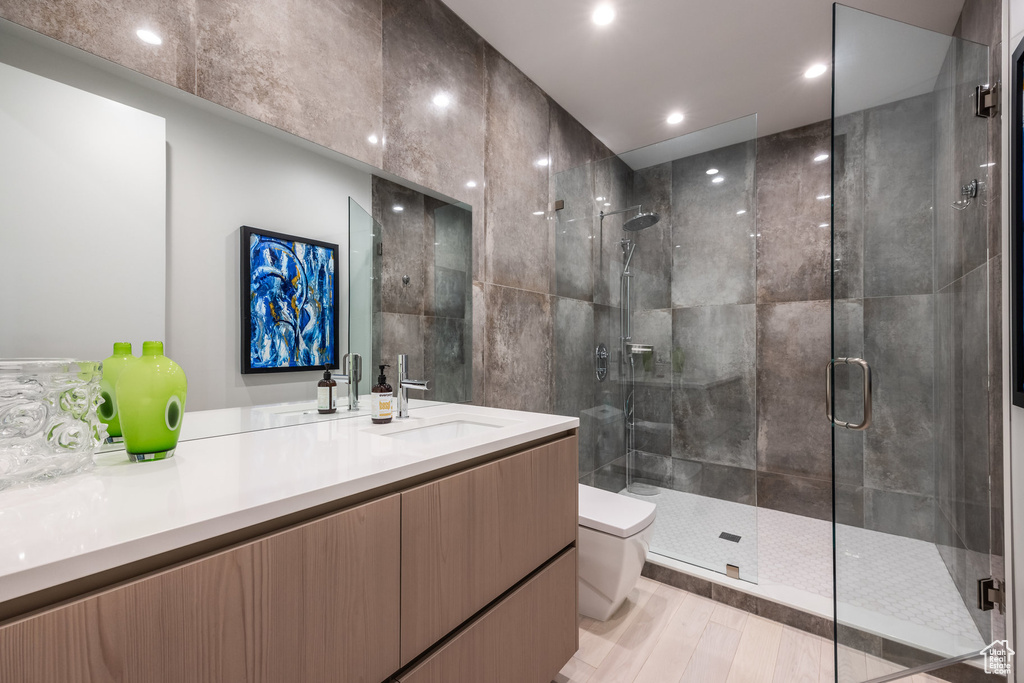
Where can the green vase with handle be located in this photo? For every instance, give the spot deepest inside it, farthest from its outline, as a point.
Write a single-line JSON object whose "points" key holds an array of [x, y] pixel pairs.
{"points": [[112, 369], [151, 402]]}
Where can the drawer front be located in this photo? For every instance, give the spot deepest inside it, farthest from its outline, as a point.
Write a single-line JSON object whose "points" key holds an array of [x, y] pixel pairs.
{"points": [[316, 602], [526, 638], [468, 538]]}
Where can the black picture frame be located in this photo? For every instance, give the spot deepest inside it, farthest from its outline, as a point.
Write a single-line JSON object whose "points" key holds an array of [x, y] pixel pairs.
{"points": [[250, 304], [1016, 178]]}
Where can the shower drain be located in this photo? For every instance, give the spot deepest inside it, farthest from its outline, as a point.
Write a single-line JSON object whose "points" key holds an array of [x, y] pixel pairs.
{"points": [[730, 537]]}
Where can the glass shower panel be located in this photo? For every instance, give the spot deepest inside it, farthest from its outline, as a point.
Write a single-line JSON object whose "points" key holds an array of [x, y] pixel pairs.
{"points": [[363, 287], [655, 332], [910, 279], [449, 331]]}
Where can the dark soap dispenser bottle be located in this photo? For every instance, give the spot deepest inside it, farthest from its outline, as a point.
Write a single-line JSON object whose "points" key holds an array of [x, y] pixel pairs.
{"points": [[325, 398], [381, 399]]}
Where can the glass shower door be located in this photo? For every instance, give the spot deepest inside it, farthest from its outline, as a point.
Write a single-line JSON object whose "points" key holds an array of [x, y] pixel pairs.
{"points": [[909, 380]]}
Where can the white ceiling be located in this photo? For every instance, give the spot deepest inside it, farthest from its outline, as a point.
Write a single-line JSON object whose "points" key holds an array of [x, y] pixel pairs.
{"points": [[715, 60]]}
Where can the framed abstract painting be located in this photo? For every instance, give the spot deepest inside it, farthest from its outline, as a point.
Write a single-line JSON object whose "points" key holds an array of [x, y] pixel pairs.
{"points": [[289, 288]]}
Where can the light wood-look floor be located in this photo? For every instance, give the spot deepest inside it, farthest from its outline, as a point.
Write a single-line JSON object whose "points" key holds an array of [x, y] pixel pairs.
{"points": [[666, 635]]}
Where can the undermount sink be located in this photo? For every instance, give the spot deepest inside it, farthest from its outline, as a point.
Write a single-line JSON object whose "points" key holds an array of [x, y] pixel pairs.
{"points": [[432, 430]]}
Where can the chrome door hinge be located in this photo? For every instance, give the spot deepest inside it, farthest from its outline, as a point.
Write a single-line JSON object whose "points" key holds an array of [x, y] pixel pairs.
{"points": [[991, 594], [986, 101]]}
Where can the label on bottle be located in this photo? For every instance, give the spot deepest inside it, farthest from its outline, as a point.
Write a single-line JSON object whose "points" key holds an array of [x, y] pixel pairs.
{"points": [[381, 406], [324, 398]]}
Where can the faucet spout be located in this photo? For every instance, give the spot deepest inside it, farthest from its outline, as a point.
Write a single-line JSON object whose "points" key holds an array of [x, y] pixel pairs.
{"points": [[353, 364], [404, 384]]}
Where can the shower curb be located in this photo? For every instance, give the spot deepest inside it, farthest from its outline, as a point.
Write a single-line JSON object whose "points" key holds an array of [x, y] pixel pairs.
{"points": [[815, 624]]}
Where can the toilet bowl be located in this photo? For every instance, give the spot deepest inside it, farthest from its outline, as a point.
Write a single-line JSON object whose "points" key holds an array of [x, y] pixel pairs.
{"points": [[614, 536]]}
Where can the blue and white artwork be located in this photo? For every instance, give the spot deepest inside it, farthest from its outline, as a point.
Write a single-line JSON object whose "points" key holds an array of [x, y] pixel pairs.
{"points": [[292, 302]]}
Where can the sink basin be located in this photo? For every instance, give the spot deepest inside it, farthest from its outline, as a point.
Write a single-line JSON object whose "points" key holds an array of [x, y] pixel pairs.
{"points": [[433, 430]]}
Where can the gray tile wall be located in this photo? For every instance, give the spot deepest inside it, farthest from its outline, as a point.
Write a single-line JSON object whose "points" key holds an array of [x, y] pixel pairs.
{"points": [[431, 318], [337, 73], [969, 461]]}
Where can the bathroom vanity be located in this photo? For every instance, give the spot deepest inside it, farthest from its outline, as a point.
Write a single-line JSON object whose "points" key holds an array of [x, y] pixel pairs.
{"points": [[438, 548]]}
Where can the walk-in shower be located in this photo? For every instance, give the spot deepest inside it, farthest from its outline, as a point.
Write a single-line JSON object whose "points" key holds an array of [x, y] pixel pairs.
{"points": [[703, 284]]}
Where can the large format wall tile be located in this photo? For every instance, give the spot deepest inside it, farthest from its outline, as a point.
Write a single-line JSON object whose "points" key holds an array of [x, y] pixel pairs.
{"points": [[313, 69], [107, 28], [574, 356], [792, 351], [899, 197], [793, 214], [972, 154], [408, 248], [795, 495], [714, 245], [847, 224], [902, 514], [898, 342], [519, 339], [651, 264], [573, 230], [724, 482], [430, 52], [713, 390], [518, 249], [975, 371]]}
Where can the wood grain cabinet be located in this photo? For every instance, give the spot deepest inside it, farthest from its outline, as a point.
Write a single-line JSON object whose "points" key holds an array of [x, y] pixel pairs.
{"points": [[469, 537], [317, 602], [469, 577], [525, 638]]}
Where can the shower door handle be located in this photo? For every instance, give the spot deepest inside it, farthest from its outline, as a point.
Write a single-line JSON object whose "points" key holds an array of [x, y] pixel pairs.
{"points": [[866, 422]]}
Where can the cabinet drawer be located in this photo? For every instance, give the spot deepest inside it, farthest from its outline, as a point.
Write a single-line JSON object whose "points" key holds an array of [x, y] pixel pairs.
{"points": [[526, 638], [316, 602], [468, 538]]}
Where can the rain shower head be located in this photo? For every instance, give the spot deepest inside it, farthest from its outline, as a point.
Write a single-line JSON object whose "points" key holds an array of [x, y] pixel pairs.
{"points": [[641, 221]]}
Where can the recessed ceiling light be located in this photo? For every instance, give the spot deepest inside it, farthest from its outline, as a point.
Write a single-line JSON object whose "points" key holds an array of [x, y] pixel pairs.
{"points": [[600, 199], [538, 213], [603, 15], [147, 36], [542, 162], [719, 179], [398, 208], [607, 203], [441, 99], [824, 196], [991, 163], [741, 212], [372, 139], [821, 157], [678, 245], [712, 171], [815, 71], [674, 118], [471, 183], [823, 225]]}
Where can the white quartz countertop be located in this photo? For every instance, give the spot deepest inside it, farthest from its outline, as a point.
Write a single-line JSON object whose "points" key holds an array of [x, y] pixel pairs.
{"points": [[121, 512]]}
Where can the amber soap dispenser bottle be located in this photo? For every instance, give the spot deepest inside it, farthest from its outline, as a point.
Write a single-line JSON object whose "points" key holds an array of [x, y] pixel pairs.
{"points": [[382, 399], [325, 398]]}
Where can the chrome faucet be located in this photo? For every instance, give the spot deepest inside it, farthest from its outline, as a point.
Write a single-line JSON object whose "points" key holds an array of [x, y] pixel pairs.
{"points": [[353, 364], [404, 384]]}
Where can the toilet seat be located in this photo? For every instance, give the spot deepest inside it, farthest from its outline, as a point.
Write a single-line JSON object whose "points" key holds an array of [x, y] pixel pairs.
{"points": [[612, 513]]}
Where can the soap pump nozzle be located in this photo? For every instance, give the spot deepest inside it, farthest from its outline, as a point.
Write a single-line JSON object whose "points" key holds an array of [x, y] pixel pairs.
{"points": [[327, 373], [381, 378]]}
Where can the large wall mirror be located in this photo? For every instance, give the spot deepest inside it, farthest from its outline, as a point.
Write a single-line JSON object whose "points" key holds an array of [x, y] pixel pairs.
{"points": [[123, 199]]}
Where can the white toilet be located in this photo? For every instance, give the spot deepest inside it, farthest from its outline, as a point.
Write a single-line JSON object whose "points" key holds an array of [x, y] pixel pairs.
{"points": [[614, 537]]}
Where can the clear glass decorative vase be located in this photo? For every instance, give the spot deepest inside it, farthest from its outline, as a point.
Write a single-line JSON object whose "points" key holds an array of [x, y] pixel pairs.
{"points": [[48, 422]]}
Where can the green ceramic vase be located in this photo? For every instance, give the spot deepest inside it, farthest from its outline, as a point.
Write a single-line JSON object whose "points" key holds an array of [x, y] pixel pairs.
{"points": [[151, 402], [112, 369]]}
